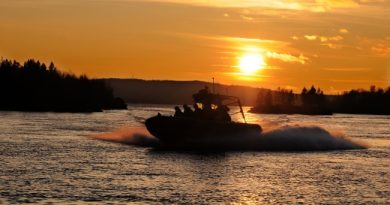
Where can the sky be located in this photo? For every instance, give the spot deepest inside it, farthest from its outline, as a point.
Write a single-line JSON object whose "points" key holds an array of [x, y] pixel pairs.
{"points": [[337, 45]]}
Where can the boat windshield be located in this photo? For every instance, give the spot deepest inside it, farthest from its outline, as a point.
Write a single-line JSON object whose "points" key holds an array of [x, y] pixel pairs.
{"points": [[210, 101]]}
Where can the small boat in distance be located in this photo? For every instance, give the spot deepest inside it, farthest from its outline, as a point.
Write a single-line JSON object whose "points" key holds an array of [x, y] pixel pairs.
{"points": [[209, 125]]}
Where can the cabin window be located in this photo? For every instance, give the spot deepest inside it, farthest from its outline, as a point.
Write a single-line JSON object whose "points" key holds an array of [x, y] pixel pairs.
{"points": [[200, 105]]}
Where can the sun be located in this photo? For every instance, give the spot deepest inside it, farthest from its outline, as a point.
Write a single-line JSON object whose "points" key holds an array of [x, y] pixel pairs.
{"points": [[250, 63]]}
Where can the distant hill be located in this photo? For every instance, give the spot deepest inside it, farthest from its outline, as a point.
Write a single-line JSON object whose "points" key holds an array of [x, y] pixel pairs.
{"points": [[174, 92]]}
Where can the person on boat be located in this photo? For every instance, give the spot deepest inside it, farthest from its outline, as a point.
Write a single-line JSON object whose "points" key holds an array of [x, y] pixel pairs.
{"points": [[197, 111], [222, 114], [204, 91], [197, 108], [178, 112], [203, 96], [187, 111]]}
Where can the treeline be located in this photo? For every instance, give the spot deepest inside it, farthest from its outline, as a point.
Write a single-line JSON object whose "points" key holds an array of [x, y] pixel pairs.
{"points": [[313, 101], [372, 101], [283, 101], [33, 86]]}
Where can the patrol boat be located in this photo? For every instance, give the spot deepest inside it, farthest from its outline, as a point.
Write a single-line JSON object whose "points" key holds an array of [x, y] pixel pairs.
{"points": [[209, 125]]}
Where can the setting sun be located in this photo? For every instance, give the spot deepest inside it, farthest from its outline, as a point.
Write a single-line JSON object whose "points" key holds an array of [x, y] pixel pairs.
{"points": [[251, 63]]}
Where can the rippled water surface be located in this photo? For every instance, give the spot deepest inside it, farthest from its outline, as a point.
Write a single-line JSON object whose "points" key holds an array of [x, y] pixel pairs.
{"points": [[52, 158]]}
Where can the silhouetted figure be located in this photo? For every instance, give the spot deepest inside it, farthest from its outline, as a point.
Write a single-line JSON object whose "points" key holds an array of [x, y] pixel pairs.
{"points": [[204, 98], [178, 112], [222, 113], [197, 111], [196, 107], [204, 91], [187, 111]]}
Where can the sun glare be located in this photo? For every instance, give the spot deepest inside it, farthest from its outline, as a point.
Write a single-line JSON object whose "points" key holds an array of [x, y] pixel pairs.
{"points": [[250, 63]]}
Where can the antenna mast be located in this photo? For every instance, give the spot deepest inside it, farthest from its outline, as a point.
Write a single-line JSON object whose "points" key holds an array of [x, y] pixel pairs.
{"points": [[213, 86]]}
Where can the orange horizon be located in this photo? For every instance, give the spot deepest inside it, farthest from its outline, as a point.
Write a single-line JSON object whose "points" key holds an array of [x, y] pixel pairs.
{"points": [[335, 45]]}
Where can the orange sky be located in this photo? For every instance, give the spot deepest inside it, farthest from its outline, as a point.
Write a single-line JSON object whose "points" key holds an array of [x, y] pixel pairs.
{"points": [[334, 44]]}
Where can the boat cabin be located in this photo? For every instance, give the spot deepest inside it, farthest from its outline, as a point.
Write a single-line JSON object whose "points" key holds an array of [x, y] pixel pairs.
{"points": [[210, 106]]}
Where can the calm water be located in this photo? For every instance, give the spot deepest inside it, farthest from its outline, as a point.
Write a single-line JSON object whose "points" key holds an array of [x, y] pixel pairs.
{"points": [[51, 158]]}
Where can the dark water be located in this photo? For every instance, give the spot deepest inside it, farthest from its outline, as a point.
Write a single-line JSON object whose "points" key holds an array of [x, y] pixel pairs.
{"points": [[55, 158]]}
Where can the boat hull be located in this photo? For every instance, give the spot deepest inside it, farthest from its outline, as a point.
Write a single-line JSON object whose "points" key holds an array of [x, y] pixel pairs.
{"points": [[193, 132]]}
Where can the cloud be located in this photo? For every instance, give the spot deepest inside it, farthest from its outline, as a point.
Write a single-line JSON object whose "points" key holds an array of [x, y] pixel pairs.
{"points": [[333, 45], [323, 38], [280, 4], [222, 38], [247, 18], [343, 30], [354, 69], [251, 45], [358, 81], [372, 1], [253, 48], [334, 38], [388, 75], [287, 57], [244, 40], [326, 5], [314, 5], [381, 49], [311, 37], [254, 45], [328, 41], [295, 37]]}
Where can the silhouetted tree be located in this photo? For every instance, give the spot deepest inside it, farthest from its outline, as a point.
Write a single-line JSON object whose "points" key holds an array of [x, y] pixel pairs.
{"points": [[372, 101], [268, 98], [35, 87]]}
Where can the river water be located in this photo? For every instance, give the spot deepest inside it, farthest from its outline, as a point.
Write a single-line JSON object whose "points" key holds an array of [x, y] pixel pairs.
{"points": [[50, 158]]}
